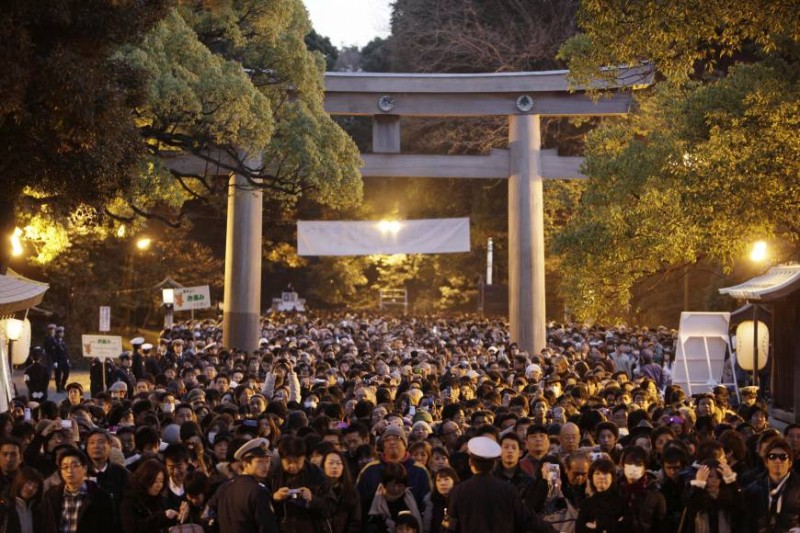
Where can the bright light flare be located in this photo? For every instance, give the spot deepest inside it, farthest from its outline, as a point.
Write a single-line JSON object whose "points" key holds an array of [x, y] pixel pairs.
{"points": [[14, 329], [389, 226], [16, 242], [759, 252], [144, 243]]}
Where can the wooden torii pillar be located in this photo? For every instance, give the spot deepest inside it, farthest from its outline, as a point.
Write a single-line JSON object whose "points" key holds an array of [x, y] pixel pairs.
{"points": [[524, 97]]}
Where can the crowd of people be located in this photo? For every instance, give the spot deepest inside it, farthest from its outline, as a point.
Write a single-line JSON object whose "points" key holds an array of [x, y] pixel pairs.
{"points": [[391, 424]]}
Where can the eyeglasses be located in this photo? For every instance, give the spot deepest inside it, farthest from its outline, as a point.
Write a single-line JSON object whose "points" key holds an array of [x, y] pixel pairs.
{"points": [[778, 457], [71, 466]]}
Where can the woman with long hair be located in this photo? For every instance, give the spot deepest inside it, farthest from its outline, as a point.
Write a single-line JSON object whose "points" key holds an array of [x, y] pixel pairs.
{"points": [[347, 518], [436, 500], [142, 509], [26, 492]]}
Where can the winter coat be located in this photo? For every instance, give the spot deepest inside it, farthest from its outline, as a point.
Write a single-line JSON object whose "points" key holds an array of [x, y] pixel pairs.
{"points": [[602, 509], [142, 513]]}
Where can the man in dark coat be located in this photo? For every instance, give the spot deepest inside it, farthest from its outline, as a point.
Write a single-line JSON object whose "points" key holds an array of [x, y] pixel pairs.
{"points": [[78, 504], [124, 373], [37, 376], [50, 349], [302, 497], [774, 500], [61, 359], [244, 503], [485, 503], [111, 477]]}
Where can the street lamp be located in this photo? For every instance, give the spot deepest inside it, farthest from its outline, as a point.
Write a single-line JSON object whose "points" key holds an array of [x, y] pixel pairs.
{"points": [[389, 226], [144, 243], [16, 242], [759, 252], [168, 296], [13, 333]]}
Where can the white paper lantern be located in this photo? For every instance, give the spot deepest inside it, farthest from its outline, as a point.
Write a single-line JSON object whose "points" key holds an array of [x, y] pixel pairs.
{"points": [[22, 346], [744, 345]]}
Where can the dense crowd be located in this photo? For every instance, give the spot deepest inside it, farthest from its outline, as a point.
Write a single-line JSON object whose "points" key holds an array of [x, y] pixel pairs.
{"points": [[380, 424]]}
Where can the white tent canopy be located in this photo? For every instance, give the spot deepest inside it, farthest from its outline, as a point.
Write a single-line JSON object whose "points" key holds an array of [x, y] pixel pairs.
{"points": [[17, 293]]}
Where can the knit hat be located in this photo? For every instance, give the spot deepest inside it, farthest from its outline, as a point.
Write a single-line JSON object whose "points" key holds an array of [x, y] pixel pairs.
{"points": [[394, 431]]}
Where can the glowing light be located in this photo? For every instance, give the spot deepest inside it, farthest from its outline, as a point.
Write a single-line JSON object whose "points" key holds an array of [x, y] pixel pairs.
{"points": [[144, 243], [389, 226], [121, 231], [13, 329], [168, 295], [759, 252], [16, 242]]}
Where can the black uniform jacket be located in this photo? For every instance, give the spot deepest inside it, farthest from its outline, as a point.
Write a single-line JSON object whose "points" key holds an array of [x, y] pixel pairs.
{"points": [[244, 505], [485, 503]]}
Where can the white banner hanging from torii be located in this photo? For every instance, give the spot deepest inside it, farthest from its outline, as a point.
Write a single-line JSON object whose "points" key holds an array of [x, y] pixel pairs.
{"points": [[425, 236]]}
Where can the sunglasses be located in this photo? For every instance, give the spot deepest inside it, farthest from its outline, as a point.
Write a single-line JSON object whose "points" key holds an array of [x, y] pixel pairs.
{"points": [[778, 457]]}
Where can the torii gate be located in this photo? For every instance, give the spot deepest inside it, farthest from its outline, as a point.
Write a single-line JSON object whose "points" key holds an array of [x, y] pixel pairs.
{"points": [[523, 97]]}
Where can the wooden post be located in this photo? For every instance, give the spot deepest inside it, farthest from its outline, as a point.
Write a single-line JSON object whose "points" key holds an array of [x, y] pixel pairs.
{"points": [[526, 235], [386, 134], [242, 306]]}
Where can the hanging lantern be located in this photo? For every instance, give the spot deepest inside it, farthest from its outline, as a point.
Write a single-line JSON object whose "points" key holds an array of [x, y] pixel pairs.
{"points": [[19, 332], [744, 345]]}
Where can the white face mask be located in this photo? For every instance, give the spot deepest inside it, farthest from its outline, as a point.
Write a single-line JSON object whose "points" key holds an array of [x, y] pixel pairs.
{"points": [[168, 407], [211, 436], [633, 472], [310, 405]]}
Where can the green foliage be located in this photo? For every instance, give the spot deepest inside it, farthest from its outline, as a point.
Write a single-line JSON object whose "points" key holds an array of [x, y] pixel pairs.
{"points": [[68, 136], [698, 173], [375, 56], [114, 272], [240, 76], [679, 38], [317, 43]]}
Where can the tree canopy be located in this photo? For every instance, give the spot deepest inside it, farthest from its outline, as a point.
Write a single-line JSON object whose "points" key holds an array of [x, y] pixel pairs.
{"points": [[709, 160]]}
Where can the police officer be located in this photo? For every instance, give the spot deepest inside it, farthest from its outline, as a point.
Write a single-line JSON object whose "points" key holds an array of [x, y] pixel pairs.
{"points": [[137, 358], [484, 502], [61, 359], [37, 376], [244, 503]]}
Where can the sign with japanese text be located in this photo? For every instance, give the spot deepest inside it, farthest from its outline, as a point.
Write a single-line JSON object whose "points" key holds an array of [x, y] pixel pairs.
{"points": [[101, 346], [187, 298]]}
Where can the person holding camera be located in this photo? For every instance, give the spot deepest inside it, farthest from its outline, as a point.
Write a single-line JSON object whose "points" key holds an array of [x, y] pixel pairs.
{"points": [[303, 498]]}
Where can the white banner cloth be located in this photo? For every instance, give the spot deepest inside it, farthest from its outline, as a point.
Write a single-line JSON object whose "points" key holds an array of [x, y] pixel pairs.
{"points": [[426, 236]]}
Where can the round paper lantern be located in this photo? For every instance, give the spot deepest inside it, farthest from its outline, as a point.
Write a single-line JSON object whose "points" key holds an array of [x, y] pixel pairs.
{"points": [[21, 347], [744, 345]]}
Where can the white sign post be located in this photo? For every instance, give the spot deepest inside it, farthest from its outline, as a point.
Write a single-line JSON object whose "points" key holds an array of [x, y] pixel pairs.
{"points": [[101, 346], [188, 298], [105, 319]]}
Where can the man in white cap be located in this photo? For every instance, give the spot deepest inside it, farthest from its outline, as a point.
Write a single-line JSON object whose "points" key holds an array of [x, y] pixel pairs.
{"points": [[485, 503], [244, 504], [137, 359]]}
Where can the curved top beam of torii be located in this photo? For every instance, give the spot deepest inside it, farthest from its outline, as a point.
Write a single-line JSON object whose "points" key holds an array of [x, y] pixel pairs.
{"points": [[550, 93]]}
